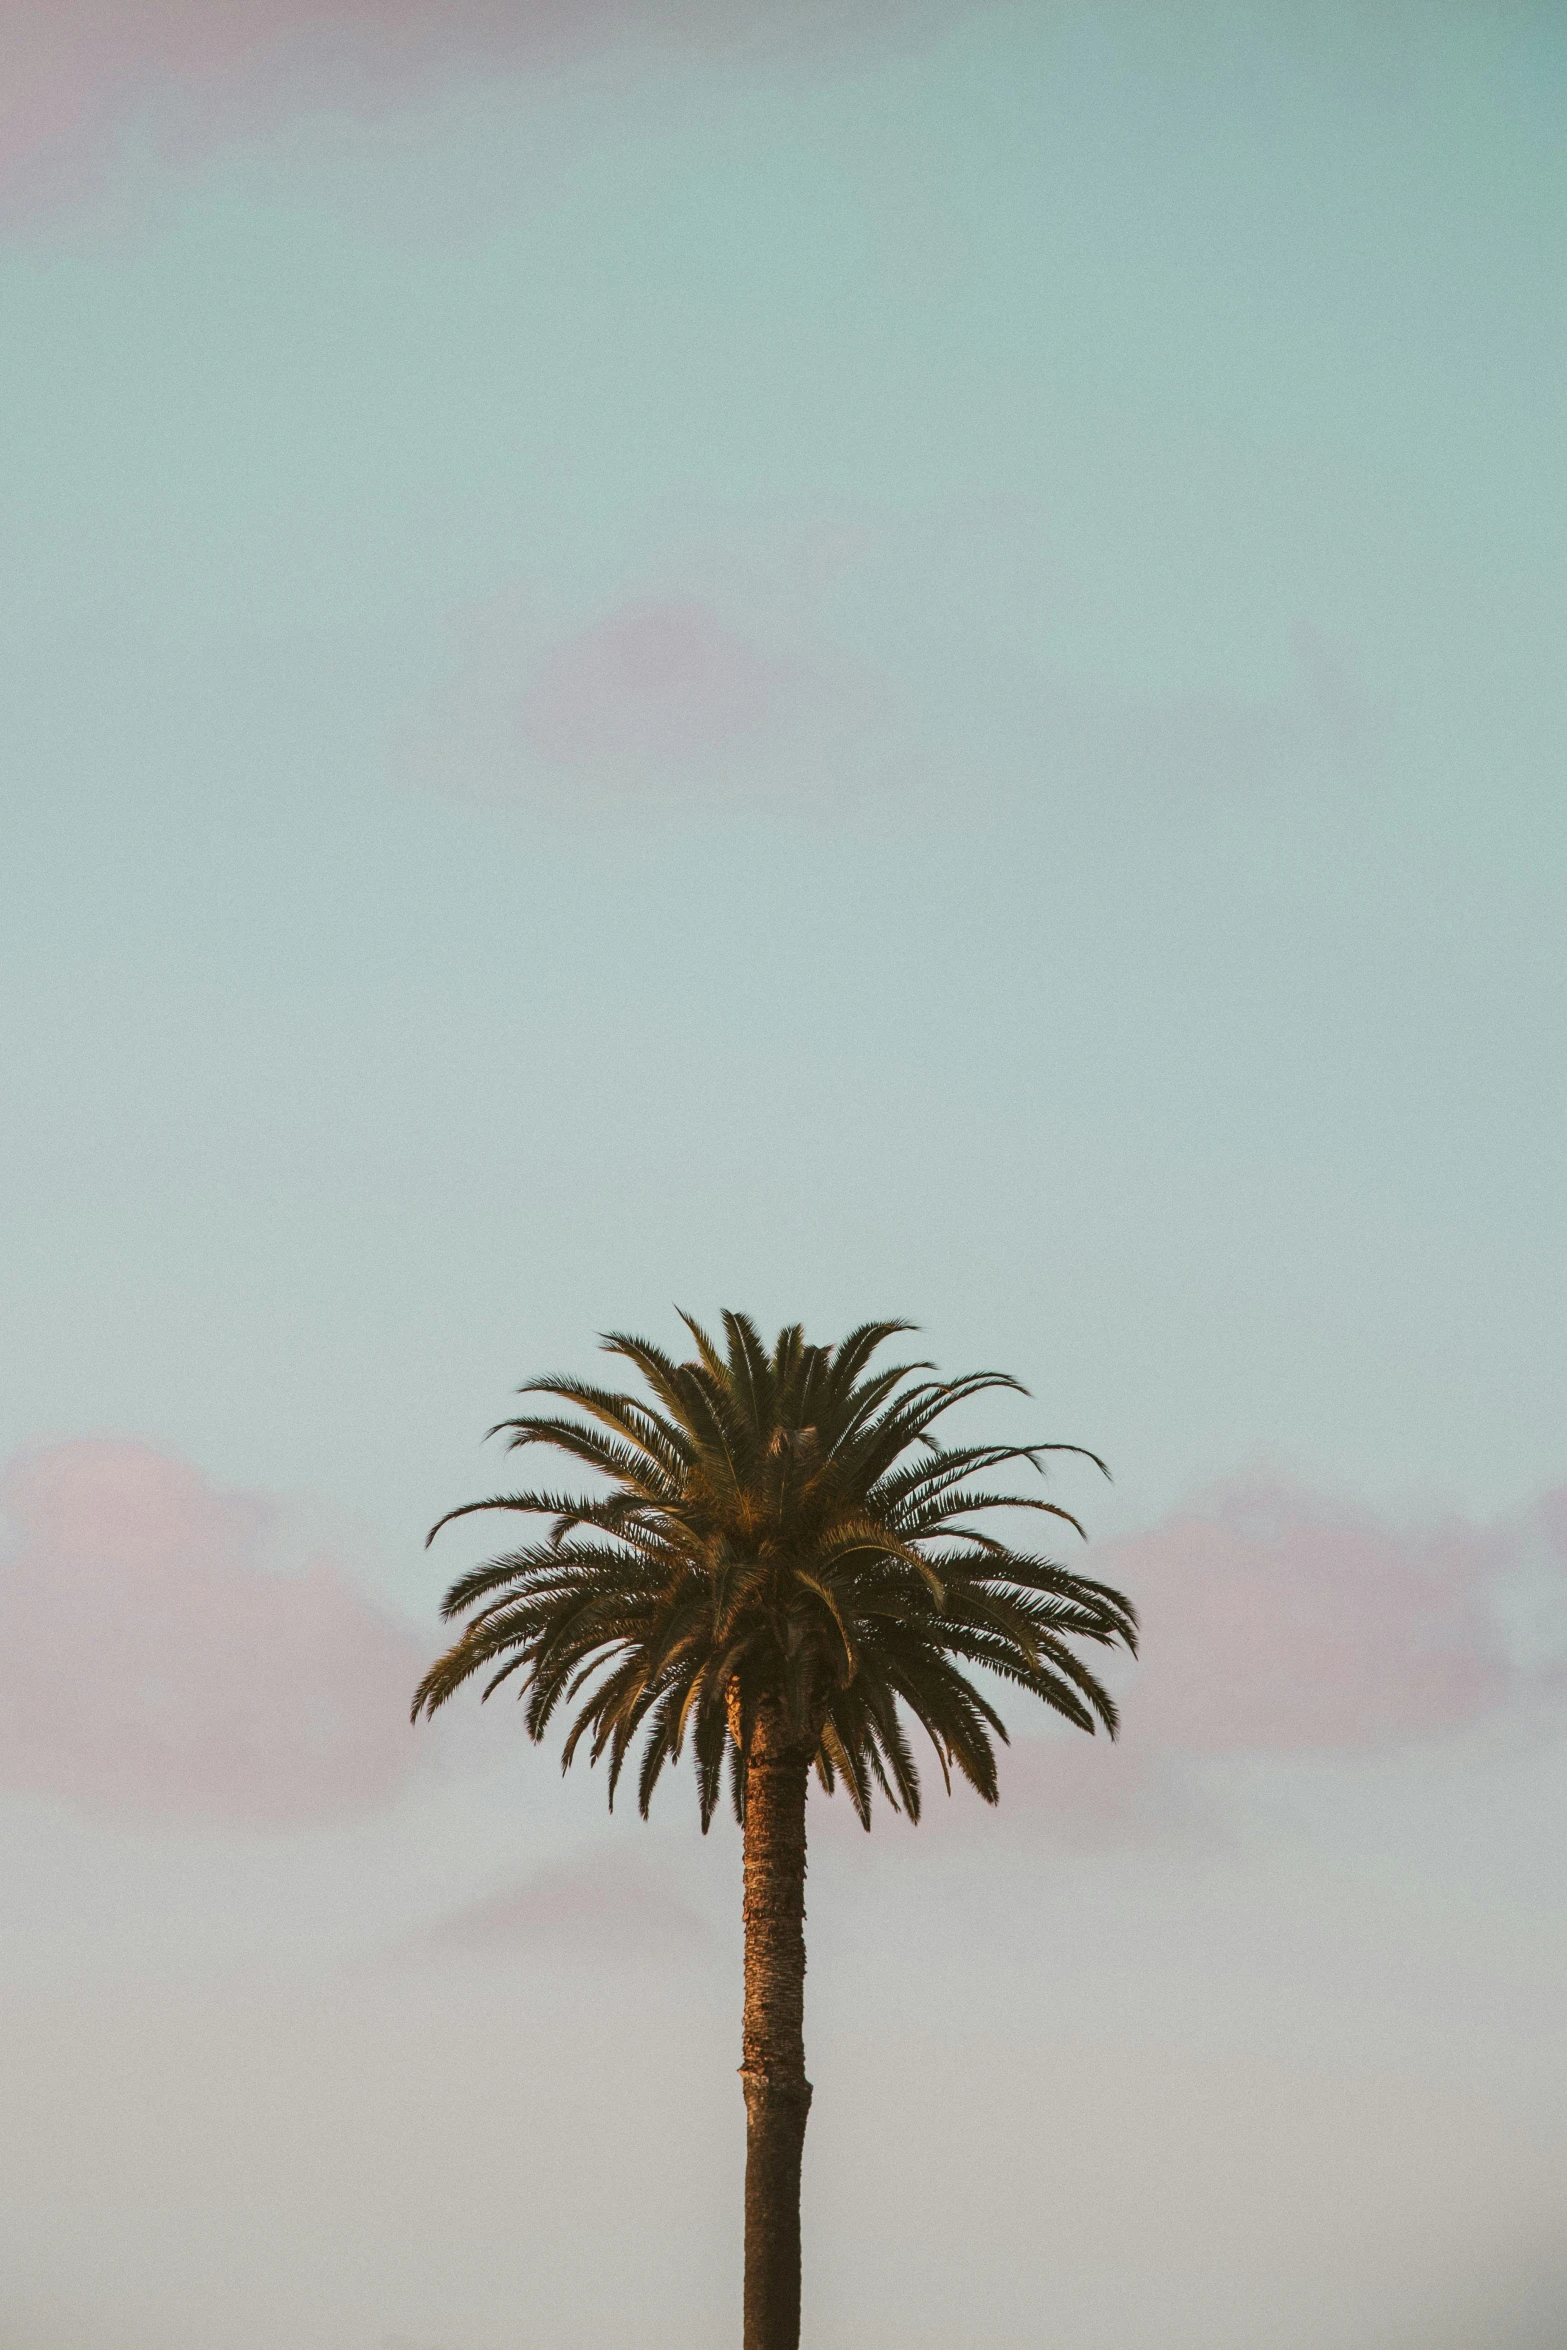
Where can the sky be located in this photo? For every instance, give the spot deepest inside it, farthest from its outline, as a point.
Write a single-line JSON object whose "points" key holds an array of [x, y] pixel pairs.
{"points": [[899, 659]]}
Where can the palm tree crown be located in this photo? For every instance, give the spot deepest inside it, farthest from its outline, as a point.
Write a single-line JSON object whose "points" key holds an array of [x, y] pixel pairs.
{"points": [[782, 1534]]}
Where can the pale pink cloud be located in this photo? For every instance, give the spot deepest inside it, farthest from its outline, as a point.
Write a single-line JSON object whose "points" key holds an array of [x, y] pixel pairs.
{"points": [[665, 685], [1276, 1623], [71, 71], [152, 1666], [74, 73], [661, 698]]}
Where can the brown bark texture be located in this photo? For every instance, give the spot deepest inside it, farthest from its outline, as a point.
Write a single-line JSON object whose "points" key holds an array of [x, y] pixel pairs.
{"points": [[777, 2093]]}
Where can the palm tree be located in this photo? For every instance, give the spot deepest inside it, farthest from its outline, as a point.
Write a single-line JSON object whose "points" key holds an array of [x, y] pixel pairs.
{"points": [[780, 1557]]}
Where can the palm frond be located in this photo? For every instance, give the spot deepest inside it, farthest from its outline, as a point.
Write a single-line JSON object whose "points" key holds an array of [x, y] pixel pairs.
{"points": [[777, 1534]]}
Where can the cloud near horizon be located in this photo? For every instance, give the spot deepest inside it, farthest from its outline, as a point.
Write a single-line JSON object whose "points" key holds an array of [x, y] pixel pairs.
{"points": [[153, 1669], [1280, 1624], [1277, 1623]]}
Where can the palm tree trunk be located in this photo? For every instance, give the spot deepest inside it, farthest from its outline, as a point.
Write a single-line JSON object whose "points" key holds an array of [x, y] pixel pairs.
{"points": [[777, 2093]]}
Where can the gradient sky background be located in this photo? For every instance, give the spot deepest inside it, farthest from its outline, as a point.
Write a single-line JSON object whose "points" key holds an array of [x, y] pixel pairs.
{"points": [[849, 660]]}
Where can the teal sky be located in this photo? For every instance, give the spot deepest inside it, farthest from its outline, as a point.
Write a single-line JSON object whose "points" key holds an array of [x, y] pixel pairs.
{"points": [[918, 671]]}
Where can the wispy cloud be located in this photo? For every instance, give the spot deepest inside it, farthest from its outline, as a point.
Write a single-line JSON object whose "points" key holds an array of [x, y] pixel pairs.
{"points": [[659, 700], [153, 1667], [1227, 742], [74, 74]]}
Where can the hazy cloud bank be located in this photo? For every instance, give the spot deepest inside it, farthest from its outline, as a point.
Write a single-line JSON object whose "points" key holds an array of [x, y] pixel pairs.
{"points": [[1278, 1622], [152, 1666]]}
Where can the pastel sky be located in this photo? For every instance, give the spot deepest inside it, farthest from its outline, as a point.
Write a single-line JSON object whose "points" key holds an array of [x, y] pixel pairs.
{"points": [[893, 658]]}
